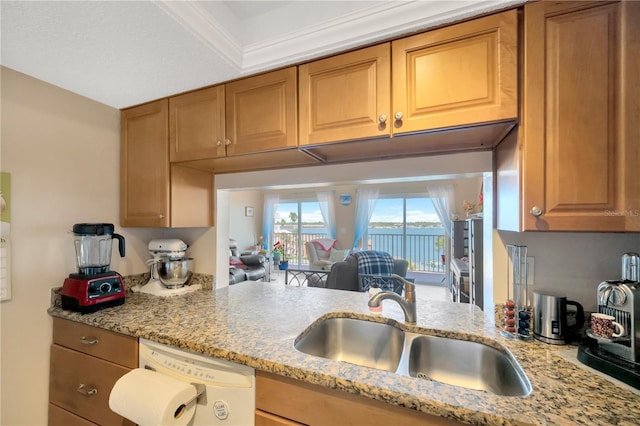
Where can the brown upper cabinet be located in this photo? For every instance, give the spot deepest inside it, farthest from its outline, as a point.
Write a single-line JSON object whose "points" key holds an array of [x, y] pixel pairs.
{"points": [[347, 96], [197, 125], [154, 193], [457, 75], [250, 115], [572, 166], [454, 76]]}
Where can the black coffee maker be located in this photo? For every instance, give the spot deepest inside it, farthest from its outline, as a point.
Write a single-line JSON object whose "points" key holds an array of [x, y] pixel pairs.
{"points": [[95, 286]]}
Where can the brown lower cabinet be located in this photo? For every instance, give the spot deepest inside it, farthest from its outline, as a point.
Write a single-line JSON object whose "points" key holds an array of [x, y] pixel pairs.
{"points": [[84, 366], [284, 401]]}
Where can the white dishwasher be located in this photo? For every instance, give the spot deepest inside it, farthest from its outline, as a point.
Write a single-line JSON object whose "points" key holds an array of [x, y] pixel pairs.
{"points": [[229, 398]]}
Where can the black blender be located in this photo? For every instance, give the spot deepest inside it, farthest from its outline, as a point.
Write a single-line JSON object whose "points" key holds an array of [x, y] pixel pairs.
{"points": [[95, 286]]}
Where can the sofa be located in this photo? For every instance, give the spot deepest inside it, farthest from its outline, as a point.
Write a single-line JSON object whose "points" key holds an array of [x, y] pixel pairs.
{"points": [[246, 267], [344, 275]]}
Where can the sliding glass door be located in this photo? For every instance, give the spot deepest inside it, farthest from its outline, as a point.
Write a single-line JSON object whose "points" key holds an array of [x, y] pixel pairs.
{"points": [[295, 222], [408, 228]]}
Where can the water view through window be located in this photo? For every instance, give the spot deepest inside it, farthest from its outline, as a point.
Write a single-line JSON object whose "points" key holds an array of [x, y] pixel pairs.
{"points": [[407, 227]]}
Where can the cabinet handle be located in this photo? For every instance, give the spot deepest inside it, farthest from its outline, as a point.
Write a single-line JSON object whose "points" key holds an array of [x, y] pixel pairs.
{"points": [[89, 341], [227, 142], [87, 391], [398, 116], [383, 118], [536, 211]]}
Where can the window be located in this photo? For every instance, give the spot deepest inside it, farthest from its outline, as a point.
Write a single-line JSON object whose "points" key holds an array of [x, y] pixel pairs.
{"points": [[408, 228], [295, 222]]}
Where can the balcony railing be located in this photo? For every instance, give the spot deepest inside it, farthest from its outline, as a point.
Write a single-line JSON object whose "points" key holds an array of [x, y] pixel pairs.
{"points": [[424, 252]]}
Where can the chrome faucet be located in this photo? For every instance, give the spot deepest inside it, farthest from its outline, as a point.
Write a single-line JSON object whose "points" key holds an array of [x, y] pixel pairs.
{"points": [[408, 303]]}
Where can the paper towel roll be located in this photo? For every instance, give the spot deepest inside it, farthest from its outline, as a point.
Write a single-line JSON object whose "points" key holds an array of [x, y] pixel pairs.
{"points": [[149, 398]]}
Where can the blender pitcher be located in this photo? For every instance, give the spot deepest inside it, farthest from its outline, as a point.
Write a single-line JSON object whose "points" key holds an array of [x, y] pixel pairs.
{"points": [[93, 247]]}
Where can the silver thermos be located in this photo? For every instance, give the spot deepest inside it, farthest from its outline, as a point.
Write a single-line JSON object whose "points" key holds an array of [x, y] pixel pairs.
{"points": [[631, 267]]}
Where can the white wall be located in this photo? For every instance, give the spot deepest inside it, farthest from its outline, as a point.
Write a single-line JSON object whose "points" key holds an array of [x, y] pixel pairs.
{"points": [[245, 229], [62, 151]]}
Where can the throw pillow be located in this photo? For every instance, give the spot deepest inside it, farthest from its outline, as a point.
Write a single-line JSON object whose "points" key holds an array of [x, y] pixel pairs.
{"points": [[233, 260], [338, 255]]}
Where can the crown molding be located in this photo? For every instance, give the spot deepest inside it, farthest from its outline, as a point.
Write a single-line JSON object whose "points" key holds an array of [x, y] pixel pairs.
{"points": [[212, 32], [365, 26], [360, 28]]}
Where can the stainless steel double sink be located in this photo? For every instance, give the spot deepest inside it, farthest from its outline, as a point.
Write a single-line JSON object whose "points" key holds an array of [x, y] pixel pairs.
{"points": [[464, 363]]}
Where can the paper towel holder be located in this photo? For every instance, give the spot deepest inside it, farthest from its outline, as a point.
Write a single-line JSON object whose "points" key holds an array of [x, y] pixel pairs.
{"points": [[200, 389]]}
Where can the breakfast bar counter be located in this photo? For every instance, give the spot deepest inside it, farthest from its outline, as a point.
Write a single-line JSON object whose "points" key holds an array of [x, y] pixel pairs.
{"points": [[256, 324]]}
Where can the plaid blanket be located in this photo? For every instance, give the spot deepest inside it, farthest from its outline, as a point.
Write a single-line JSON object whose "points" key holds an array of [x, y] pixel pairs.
{"points": [[374, 262]]}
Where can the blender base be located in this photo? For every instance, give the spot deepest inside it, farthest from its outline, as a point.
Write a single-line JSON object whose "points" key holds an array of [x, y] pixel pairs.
{"points": [[72, 304]]}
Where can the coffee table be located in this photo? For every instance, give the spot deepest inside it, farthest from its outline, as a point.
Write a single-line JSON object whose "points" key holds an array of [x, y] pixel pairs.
{"points": [[306, 277]]}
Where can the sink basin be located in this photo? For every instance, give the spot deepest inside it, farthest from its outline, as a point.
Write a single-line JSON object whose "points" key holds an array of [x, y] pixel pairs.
{"points": [[471, 365], [365, 343], [468, 364]]}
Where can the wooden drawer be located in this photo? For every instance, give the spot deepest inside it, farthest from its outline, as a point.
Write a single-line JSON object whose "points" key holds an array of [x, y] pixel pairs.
{"points": [[267, 419], [94, 341], [61, 417], [71, 369]]}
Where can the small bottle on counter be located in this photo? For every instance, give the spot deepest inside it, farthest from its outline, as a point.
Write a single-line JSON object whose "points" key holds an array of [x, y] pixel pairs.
{"points": [[372, 291]]}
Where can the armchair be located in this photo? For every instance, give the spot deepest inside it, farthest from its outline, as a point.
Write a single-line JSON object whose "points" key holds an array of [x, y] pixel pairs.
{"points": [[345, 275], [322, 253]]}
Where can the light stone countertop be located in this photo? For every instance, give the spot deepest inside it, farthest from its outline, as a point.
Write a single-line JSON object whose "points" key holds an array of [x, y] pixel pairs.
{"points": [[256, 324]]}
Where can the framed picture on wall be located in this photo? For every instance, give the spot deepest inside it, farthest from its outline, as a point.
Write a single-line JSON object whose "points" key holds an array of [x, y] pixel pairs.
{"points": [[248, 211]]}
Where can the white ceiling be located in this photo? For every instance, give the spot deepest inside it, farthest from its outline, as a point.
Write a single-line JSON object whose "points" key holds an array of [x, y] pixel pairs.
{"points": [[123, 53]]}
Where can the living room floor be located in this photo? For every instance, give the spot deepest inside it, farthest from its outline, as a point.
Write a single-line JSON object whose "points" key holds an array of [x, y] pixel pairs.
{"points": [[433, 292]]}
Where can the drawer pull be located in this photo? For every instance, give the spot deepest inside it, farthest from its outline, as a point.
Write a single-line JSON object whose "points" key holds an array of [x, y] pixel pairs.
{"points": [[89, 341], [87, 392]]}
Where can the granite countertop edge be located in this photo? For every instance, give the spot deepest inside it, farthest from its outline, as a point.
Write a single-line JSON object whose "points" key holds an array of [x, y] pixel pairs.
{"points": [[135, 318]]}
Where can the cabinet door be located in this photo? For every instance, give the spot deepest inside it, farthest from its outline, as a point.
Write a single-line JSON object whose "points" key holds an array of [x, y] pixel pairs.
{"points": [[457, 75], [144, 165], [574, 119], [344, 97], [191, 197], [197, 126], [261, 113]]}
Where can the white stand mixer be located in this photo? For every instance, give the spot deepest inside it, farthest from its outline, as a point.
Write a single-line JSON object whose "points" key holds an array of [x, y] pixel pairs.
{"points": [[163, 250]]}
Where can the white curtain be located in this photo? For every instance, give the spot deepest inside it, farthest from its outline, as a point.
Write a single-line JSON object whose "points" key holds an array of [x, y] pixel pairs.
{"points": [[442, 198], [270, 204], [326, 199], [365, 203]]}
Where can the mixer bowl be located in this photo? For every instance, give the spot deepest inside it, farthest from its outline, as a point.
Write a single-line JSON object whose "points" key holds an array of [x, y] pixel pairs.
{"points": [[175, 273]]}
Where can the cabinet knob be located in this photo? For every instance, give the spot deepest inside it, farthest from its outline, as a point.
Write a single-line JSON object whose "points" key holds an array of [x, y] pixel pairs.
{"points": [[219, 143], [382, 118], [398, 116], [89, 341], [160, 216], [87, 391], [536, 211], [227, 142]]}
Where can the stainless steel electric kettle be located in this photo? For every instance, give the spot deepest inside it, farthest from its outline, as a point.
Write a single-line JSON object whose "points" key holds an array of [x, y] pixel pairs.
{"points": [[550, 318]]}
